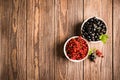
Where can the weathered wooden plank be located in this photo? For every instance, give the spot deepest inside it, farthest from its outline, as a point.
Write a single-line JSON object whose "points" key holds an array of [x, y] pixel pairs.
{"points": [[5, 9], [116, 40], [102, 69], [60, 35], [1, 59], [74, 20], [46, 39], [68, 16], [32, 40], [36, 39], [12, 40], [21, 41]]}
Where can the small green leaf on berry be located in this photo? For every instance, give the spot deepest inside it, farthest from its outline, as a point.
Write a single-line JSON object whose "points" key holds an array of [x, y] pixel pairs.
{"points": [[90, 51], [103, 38]]}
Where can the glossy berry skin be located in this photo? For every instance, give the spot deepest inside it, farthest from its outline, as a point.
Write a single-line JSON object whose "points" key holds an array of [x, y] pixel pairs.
{"points": [[92, 57], [93, 28], [99, 54]]}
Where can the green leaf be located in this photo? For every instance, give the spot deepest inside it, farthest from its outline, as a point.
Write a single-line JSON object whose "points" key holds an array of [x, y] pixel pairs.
{"points": [[103, 38], [90, 51]]}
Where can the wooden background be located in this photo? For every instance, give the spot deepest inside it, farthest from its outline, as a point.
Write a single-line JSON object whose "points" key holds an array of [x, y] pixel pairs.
{"points": [[32, 34]]}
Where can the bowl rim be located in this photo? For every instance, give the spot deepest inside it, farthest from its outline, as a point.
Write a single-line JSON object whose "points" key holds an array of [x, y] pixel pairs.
{"points": [[65, 53], [86, 21]]}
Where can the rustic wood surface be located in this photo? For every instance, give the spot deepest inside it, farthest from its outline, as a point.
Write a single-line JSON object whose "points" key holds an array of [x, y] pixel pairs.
{"points": [[33, 32]]}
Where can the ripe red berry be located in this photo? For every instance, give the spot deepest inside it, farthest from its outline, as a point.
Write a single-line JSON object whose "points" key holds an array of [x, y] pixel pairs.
{"points": [[77, 48], [99, 54]]}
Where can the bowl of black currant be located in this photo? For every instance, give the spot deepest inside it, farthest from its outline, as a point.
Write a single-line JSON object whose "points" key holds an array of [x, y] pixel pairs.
{"points": [[92, 28]]}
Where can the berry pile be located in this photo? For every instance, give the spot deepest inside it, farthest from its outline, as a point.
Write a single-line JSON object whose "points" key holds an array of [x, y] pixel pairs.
{"points": [[77, 48], [93, 28]]}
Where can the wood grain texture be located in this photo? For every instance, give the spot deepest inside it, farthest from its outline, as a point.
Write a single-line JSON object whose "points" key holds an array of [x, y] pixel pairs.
{"points": [[75, 70], [32, 40], [66, 24], [33, 32], [21, 41], [13, 40], [5, 24], [1, 55], [46, 40], [116, 39], [102, 68], [60, 23]]}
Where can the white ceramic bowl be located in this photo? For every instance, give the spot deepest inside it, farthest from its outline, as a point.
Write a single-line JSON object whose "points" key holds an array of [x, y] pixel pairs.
{"points": [[66, 52], [87, 20]]}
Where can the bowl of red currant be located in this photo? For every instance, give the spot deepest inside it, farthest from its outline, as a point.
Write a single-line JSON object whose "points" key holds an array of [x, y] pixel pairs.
{"points": [[76, 49]]}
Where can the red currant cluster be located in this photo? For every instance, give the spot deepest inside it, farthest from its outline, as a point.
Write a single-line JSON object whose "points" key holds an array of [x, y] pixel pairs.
{"points": [[77, 48]]}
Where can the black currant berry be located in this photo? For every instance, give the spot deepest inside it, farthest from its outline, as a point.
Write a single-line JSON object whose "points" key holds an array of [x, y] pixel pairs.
{"points": [[93, 28], [92, 57]]}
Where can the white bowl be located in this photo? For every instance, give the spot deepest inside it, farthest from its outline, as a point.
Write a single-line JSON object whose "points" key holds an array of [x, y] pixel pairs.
{"points": [[66, 52], [86, 21]]}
